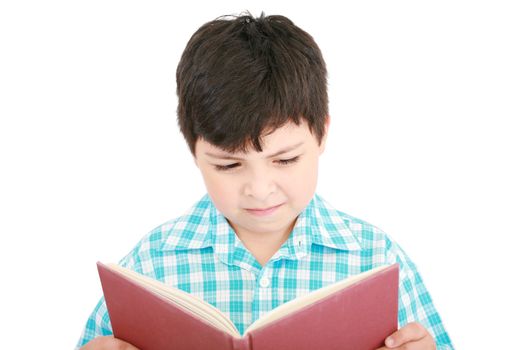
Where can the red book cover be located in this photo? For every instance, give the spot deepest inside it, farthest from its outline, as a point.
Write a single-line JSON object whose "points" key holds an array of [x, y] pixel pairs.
{"points": [[359, 316]]}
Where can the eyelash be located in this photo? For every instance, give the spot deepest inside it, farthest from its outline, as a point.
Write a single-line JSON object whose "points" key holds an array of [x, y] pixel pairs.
{"points": [[232, 166]]}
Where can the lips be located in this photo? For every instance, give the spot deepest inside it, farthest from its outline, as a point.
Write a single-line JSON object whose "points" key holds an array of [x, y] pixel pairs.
{"points": [[264, 212], [263, 209]]}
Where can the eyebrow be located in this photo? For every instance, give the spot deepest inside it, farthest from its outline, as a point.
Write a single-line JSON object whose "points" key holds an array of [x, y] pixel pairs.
{"points": [[284, 150]]}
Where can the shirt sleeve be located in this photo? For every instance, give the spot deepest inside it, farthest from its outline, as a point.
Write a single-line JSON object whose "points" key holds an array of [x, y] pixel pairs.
{"points": [[415, 303], [98, 323]]}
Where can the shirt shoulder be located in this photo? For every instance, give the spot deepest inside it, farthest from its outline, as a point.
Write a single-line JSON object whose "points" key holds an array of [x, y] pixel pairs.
{"points": [[368, 236], [379, 248], [375, 239], [187, 231]]}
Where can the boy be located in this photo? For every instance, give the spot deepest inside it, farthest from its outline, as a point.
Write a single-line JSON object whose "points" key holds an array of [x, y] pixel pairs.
{"points": [[253, 108]]}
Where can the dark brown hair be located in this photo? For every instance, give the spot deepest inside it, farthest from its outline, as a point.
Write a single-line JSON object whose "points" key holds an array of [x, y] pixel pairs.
{"points": [[240, 77]]}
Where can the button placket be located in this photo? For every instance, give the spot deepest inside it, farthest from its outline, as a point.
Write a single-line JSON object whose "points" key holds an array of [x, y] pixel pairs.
{"points": [[262, 299], [264, 282]]}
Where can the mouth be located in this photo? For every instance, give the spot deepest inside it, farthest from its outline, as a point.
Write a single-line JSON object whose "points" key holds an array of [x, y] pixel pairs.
{"points": [[264, 211]]}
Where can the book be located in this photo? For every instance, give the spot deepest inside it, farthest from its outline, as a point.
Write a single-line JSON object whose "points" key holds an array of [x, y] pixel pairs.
{"points": [[358, 312]]}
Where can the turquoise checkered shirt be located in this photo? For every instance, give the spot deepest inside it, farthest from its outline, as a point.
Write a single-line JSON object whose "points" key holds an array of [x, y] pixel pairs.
{"points": [[200, 253]]}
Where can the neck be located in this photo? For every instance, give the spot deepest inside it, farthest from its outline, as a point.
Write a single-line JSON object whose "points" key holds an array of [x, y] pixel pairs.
{"points": [[263, 246]]}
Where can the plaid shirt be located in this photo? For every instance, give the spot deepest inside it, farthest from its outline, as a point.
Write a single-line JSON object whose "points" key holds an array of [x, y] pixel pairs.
{"points": [[200, 253]]}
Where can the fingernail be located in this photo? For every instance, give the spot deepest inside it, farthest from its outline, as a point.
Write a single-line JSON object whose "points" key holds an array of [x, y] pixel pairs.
{"points": [[389, 342]]}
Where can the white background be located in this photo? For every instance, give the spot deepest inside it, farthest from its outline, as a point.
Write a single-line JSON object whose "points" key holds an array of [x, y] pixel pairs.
{"points": [[426, 142]]}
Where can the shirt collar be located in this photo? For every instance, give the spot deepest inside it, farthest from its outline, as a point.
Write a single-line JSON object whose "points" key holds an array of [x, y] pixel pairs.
{"points": [[204, 226], [192, 230], [329, 226]]}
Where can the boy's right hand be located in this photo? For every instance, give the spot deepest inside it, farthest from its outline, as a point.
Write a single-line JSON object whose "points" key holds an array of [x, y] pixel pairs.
{"points": [[108, 342]]}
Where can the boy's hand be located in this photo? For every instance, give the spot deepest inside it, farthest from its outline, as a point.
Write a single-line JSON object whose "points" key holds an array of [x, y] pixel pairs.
{"points": [[412, 336], [108, 343]]}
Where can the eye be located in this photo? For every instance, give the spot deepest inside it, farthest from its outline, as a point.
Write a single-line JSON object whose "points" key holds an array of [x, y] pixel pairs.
{"points": [[231, 166], [225, 167], [289, 161]]}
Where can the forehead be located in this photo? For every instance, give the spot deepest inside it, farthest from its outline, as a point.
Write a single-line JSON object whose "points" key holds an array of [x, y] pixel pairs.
{"points": [[287, 135]]}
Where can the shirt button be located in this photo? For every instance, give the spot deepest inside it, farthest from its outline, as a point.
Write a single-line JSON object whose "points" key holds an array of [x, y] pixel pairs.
{"points": [[264, 282]]}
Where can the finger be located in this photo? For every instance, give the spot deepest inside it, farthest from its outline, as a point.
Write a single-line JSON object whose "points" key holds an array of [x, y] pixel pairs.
{"points": [[411, 332]]}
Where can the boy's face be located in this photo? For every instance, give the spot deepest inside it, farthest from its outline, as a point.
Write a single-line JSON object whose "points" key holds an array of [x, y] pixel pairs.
{"points": [[260, 180]]}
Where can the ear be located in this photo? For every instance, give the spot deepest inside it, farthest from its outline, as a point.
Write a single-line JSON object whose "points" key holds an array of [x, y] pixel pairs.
{"points": [[326, 128]]}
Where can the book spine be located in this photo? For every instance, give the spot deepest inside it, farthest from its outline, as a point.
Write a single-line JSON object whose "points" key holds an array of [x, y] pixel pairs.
{"points": [[244, 343]]}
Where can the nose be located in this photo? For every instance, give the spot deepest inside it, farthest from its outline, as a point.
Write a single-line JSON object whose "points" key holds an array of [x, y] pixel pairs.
{"points": [[260, 185]]}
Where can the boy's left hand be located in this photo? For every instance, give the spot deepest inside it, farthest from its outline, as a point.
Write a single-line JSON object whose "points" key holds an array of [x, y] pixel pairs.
{"points": [[412, 336]]}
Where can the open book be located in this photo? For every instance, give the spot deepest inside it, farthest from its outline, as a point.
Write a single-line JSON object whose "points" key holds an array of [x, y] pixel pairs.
{"points": [[358, 312]]}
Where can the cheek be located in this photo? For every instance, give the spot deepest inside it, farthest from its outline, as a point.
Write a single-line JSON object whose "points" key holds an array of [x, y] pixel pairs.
{"points": [[309, 170], [303, 180], [218, 189]]}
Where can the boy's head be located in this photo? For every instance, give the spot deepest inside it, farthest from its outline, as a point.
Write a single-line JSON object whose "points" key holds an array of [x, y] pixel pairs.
{"points": [[249, 85], [243, 76]]}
